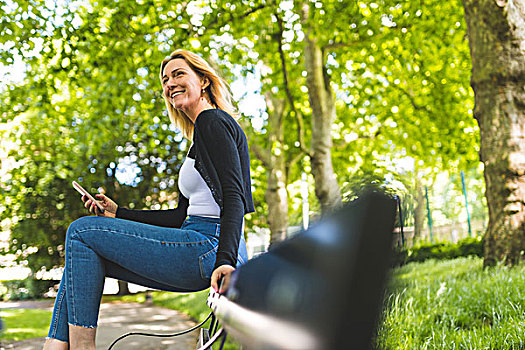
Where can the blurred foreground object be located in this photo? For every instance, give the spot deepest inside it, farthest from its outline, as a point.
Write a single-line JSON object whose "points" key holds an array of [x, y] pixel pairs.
{"points": [[321, 289]]}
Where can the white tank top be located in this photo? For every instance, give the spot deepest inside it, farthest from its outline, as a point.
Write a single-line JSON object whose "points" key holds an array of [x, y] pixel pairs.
{"points": [[193, 187]]}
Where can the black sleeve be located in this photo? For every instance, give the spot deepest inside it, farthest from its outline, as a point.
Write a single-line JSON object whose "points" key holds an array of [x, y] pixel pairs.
{"points": [[166, 218], [220, 140]]}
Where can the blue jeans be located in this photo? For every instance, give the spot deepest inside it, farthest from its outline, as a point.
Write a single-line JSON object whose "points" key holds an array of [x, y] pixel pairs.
{"points": [[171, 259]]}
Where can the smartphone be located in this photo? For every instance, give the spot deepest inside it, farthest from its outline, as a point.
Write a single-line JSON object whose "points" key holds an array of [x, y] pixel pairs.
{"points": [[83, 192]]}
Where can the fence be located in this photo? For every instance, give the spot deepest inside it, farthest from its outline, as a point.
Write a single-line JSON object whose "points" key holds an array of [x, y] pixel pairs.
{"points": [[451, 232]]}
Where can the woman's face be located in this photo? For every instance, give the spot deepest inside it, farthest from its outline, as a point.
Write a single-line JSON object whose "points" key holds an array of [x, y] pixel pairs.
{"points": [[182, 86]]}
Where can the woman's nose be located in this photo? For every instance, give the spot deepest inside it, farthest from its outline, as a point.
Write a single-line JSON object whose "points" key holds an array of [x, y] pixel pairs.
{"points": [[170, 85]]}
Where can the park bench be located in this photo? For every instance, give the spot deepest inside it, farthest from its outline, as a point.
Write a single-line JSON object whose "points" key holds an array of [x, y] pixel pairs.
{"points": [[320, 289]]}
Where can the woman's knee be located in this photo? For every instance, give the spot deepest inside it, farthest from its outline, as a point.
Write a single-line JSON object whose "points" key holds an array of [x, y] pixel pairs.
{"points": [[80, 225]]}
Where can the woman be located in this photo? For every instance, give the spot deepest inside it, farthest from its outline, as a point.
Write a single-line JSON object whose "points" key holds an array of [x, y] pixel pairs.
{"points": [[185, 249]]}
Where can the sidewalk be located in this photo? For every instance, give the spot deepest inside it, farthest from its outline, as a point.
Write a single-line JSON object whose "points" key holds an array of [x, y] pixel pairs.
{"points": [[117, 318]]}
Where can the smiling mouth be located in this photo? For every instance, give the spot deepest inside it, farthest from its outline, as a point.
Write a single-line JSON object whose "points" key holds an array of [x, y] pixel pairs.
{"points": [[176, 93]]}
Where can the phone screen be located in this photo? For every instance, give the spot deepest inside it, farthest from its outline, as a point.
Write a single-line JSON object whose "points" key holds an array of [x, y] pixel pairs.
{"points": [[83, 192]]}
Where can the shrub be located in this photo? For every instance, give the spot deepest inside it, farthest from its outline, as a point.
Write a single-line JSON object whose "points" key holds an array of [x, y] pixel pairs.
{"points": [[28, 288], [439, 251]]}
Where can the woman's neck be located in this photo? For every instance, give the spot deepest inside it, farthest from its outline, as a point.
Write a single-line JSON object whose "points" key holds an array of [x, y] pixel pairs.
{"points": [[194, 113]]}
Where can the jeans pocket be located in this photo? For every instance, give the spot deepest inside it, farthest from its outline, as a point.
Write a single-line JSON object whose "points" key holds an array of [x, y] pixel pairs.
{"points": [[206, 263]]}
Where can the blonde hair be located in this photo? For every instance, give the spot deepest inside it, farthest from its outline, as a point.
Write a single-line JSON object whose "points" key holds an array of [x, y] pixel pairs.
{"points": [[217, 92]]}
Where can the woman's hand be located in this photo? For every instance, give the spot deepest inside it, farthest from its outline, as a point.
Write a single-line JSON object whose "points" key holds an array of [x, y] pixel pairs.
{"points": [[224, 272], [110, 207]]}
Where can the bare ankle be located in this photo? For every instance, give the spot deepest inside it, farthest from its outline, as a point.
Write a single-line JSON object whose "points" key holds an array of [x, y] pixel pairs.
{"points": [[82, 338], [55, 344]]}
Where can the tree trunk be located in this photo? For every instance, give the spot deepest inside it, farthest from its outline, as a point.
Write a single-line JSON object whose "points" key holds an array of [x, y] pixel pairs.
{"points": [[123, 288], [419, 208], [496, 30], [276, 192], [322, 103]]}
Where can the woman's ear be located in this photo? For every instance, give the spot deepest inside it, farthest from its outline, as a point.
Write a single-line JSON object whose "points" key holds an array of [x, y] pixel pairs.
{"points": [[205, 83]]}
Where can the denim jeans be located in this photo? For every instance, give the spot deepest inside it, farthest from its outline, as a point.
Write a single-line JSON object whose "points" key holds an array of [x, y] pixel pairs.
{"points": [[171, 259]]}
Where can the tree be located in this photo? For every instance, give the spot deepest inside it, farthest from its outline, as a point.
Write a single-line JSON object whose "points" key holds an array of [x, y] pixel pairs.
{"points": [[322, 104], [496, 31], [256, 48], [274, 159], [88, 108]]}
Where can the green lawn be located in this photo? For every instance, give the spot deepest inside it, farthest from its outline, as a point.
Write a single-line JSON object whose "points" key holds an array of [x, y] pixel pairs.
{"points": [[20, 324], [454, 304]]}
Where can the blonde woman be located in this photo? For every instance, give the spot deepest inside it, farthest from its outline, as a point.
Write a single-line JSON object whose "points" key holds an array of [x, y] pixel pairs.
{"points": [[185, 249]]}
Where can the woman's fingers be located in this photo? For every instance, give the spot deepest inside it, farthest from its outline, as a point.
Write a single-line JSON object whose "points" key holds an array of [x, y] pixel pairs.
{"points": [[110, 207], [89, 205], [96, 210], [92, 206], [221, 272]]}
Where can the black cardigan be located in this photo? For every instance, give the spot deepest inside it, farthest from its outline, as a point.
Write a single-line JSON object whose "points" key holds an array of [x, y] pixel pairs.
{"points": [[221, 157]]}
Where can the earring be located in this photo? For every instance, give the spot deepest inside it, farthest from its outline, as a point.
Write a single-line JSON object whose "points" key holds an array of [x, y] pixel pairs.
{"points": [[203, 91]]}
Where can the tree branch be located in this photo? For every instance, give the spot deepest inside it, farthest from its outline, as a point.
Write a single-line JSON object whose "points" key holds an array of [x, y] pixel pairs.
{"points": [[298, 116], [293, 161], [375, 38], [410, 98], [261, 154], [232, 17], [337, 45], [258, 151]]}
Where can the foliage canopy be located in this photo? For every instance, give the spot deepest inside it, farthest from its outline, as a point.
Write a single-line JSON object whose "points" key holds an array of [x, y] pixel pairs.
{"points": [[89, 107]]}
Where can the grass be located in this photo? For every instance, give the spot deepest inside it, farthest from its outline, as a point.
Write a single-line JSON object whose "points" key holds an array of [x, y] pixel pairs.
{"points": [[20, 324], [454, 304]]}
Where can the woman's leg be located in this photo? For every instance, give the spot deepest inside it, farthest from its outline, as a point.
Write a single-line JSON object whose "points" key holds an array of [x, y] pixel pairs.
{"points": [[55, 344], [163, 258], [82, 338], [58, 330]]}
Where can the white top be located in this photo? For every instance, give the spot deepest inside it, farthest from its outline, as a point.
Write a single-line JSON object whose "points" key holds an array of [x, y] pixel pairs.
{"points": [[193, 187]]}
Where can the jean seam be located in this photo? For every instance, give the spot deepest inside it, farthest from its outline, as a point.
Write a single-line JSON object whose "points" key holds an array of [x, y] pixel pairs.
{"points": [[57, 312], [137, 236], [74, 321], [69, 277], [201, 260]]}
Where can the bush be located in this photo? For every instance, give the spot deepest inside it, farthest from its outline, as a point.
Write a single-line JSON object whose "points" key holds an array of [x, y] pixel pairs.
{"points": [[439, 251], [29, 288], [471, 246]]}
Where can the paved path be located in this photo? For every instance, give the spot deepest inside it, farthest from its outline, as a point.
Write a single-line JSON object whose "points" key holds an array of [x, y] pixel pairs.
{"points": [[117, 318]]}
